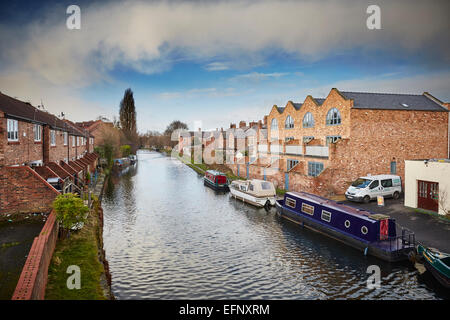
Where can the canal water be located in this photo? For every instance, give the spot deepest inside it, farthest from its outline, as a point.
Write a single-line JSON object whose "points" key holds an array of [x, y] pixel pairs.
{"points": [[167, 236]]}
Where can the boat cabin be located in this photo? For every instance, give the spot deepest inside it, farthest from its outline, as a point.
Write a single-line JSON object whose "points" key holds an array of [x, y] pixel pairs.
{"points": [[215, 179], [255, 187], [357, 223]]}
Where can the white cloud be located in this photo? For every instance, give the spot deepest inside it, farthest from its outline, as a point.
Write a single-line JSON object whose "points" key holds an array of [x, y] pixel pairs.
{"points": [[216, 66], [258, 76]]}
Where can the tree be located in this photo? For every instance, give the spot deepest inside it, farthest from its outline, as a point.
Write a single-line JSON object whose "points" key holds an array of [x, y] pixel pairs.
{"points": [[126, 150], [128, 114], [174, 125], [70, 211]]}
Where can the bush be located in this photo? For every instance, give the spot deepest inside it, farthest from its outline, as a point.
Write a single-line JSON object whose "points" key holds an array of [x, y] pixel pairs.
{"points": [[70, 210], [126, 150]]}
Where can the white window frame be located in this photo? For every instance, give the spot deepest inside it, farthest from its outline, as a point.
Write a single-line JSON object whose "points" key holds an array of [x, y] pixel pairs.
{"points": [[73, 141], [66, 138], [52, 138], [326, 216], [13, 130], [37, 129], [292, 204], [307, 205]]}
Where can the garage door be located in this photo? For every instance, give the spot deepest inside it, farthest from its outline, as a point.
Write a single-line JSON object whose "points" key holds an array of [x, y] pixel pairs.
{"points": [[428, 195]]}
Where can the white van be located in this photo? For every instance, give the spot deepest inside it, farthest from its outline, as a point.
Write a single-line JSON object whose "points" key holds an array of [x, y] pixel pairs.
{"points": [[370, 187]]}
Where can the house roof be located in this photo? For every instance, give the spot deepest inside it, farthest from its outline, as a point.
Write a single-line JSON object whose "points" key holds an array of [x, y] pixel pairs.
{"points": [[25, 111], [392, 101]]}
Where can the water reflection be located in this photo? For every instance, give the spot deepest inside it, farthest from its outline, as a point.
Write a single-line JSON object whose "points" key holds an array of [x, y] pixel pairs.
{"points": [[167, 236]]}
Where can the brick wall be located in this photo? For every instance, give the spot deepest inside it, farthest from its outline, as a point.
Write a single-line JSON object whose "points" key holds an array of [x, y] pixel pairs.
{"points": [[22, 151], [22, 190], [34, 276], [59, 151]]}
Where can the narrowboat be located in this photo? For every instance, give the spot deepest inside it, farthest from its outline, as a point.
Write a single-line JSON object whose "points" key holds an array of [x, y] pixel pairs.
{"points": [[216, 180], [373, 234], [259, 193], [437, 263]]}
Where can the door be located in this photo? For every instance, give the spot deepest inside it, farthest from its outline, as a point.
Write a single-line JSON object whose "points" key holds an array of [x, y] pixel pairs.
{"points": [[428, 195], [286, 181], [387, 189], [375, 189]]}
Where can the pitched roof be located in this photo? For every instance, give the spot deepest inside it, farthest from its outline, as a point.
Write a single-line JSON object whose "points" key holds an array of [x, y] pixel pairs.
{"points": [[392, 101]]}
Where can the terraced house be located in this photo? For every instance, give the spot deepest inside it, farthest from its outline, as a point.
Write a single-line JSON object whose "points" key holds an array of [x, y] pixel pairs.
{"points": [[41, 156], [322, 144]]}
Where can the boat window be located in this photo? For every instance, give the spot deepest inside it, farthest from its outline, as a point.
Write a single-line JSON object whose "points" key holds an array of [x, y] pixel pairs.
{"points": [[374, 184], [306, 208], [361, 183], [326, 216], [386, 183], [364, 230], [290, 202], [250, 187], [347, 224], [266, 186]]}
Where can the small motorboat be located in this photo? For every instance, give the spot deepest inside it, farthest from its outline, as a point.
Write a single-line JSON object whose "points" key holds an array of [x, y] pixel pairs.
{"points": [[259, 193], [437, 263], [216, 180]]}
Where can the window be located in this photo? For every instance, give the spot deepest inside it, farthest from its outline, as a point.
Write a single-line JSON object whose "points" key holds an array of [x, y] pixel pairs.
{"points": [[332, 139], [266, 185], [73, 141], [307, 139], [287, 139], [308, 120], [333, 117], [314, 168], [52, 138], [274, 124], [13, 130], [78, 141], [66, 138], [291, 163], [92, 140], [386, 183], [374, 184], [37, 132], [326, 216], [306, 208], [289, 123], [347, 224], [393, 167], [364, 230], [250, 187], [290, 202]]}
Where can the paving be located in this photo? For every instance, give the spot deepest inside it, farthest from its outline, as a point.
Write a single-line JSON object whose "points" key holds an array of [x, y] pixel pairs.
{"points": [[429, 229]]}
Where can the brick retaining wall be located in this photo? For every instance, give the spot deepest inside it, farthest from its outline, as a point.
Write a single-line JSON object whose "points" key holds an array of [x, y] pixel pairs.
{"points": [[34, 276]]}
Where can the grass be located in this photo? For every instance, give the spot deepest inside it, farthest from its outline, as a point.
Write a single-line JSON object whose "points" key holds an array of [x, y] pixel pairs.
{"points": [[280, 192], [81, 249], [9, 244]]}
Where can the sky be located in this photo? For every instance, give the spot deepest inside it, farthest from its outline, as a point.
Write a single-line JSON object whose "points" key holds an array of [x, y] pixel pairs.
{"points": [[217, 62]]}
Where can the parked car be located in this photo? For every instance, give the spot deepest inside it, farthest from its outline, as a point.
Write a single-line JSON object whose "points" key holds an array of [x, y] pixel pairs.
{"points": [[370, 187]]}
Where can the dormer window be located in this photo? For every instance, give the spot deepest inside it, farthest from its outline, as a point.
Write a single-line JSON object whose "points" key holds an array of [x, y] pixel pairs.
{"points": [[333, 117], [289, 123], [308, 120]]}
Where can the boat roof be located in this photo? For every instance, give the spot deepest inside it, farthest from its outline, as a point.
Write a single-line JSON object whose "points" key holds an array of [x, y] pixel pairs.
{"points": [[215, 172], [331, 204]]}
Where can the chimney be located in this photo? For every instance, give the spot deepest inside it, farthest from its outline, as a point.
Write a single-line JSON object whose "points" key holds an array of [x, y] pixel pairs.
{"points": [[265, 120], [242, 124], [232, 126]]}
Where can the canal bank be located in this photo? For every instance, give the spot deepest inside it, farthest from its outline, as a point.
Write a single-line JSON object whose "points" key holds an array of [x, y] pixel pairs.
{"points": [[167, 236], [84, 248]]}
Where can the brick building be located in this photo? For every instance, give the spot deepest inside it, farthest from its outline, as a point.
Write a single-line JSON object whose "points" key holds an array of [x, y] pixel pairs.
{"points": [[98, 129], [35, 150], [322, 144]]}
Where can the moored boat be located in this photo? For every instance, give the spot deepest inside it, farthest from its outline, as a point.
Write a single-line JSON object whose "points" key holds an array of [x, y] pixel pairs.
{"points": [[437, 263], [259, 193], [216, 180], [373, 234]]}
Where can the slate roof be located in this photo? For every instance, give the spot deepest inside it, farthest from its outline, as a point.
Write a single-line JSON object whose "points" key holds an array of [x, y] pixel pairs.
{"points": [[392, 101], [319, 100], [297, 106], [25, 111]]}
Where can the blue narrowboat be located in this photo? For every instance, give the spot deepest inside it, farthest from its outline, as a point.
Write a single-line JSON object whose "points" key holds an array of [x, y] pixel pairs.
{"points": [[373, 234], [216, 180]]}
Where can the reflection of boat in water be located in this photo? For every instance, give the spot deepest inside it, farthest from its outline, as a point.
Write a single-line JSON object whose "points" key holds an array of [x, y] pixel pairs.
{"points": [[133, 159], [259, 193], [375, 234], [121, 163], [437, 263]]}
